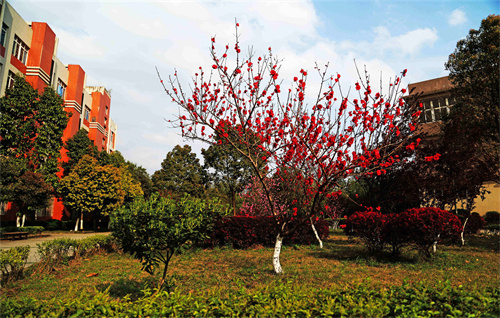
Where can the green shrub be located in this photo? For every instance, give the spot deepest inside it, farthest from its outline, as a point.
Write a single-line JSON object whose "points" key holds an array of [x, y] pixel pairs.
{"points": [[29, 229], [492, 217], [154, 230], [13, 262], [277, 300]]}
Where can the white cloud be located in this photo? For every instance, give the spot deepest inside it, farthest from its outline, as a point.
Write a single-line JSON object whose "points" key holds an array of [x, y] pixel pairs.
{"points": [[78, 45], [457, 17]]}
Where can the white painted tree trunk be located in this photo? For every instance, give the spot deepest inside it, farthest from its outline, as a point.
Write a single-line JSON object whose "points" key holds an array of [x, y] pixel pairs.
{"points": [[81, 224], [434, 246], [276, 255], [316, 233], [76, 225], [18, 221], [24, 219], [463, 230]]}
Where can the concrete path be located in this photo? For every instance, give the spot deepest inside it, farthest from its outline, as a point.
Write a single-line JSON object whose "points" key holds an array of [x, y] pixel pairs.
{"points": [[33, 241]]}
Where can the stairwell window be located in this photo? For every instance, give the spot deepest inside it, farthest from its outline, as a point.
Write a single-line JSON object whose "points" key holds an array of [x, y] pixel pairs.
{"points": [[20, 50], [10, 80], [87, 113], [3, 35], [61, 87]]}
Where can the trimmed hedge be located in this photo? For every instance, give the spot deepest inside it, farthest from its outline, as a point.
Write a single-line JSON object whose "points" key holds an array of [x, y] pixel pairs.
{"points": [[277, 300], [421, 227], [29, 229], [245, 231]]}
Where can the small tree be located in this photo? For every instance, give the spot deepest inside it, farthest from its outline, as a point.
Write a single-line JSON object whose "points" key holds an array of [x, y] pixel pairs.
{"points": [[154, 230], [321, 143], [31, 193], [92, 189]]}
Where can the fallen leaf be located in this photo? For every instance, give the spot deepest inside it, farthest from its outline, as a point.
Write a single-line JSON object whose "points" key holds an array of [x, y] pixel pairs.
{"points": [[92, 275]]}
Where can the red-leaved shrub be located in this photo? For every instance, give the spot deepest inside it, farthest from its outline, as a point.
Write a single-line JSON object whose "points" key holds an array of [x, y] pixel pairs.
{"points": [[368, 226], [474, 224], [421, 227], [245, 231]]}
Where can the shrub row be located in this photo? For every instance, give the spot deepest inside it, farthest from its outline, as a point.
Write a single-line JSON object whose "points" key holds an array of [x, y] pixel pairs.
{"points": [[13, 262], [421, 227], [55, 252], [245, 231], [29, 229], [277, 300]]}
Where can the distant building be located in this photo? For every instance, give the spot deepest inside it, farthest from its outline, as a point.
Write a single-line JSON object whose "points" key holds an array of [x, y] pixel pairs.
{"points": [[30, 48], [437, 98]]}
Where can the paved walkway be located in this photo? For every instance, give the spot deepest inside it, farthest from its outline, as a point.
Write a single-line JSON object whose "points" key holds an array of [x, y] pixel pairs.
{"points": [[33, 241]]}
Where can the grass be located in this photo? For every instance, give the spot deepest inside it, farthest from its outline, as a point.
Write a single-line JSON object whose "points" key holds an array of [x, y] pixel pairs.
{"points": [[342, 263]]}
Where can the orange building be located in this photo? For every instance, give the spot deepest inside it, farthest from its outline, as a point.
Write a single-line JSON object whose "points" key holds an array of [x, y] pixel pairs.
{"points": [[31, 49]]}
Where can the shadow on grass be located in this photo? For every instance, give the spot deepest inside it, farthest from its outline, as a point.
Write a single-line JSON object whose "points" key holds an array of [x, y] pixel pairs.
{"points": [[483, 242], [123, 287], [352, 251]]}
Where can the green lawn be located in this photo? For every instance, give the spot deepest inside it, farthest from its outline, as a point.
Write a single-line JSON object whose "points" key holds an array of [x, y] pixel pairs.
{"points": [[367, 285]]}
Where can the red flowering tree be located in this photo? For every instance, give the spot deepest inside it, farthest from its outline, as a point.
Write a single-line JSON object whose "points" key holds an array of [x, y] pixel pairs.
{"points": [[320, 138]]}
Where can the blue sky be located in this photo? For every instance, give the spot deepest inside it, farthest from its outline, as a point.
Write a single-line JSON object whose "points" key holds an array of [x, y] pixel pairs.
{"points": [[119, 44]]}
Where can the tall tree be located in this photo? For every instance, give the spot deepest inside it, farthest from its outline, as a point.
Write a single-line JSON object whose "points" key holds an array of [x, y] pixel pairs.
{"points": [[227, 169], [31, 127], [140, 174], [181, 172], [470, 136], [323, 142]]}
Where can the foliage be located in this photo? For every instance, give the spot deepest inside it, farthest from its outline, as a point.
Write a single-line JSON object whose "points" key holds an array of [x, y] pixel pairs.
{"points": [[421, 227], [180, 173], [492, 217], [369, 226], [31, 193], [29, 229], [154, 230], [245, 231], [11, 169], [141, 175], [13, 262], [277, 300], [227, 169], [78, 146], [93, 189], [31, 127]]}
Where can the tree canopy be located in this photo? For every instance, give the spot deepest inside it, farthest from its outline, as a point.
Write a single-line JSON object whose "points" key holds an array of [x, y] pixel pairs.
{"points": [[180, 173], [31, 127]]}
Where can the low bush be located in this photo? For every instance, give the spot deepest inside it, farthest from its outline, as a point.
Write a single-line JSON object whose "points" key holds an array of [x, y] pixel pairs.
{"points": [[368, 226], [474, 223], [492, 217], [277, 300], [421, 227], [13, 262], [245, 231]]}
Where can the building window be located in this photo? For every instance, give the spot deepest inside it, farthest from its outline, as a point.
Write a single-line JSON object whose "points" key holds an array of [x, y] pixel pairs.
{"points": [[435, 110], [61, 87], [3, 35], [20, 50], [107, 110], [10, 80], [47, 212], [103, 142], [87, 113]]}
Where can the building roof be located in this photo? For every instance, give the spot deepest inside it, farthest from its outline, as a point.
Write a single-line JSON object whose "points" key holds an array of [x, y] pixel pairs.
{"points": [[436, 85]]}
